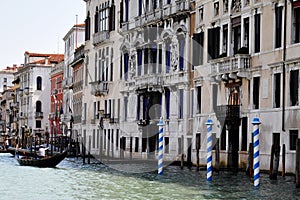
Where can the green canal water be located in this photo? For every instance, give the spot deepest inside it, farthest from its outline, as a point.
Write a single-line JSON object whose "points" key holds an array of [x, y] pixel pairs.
{"points": [[73, 180]]}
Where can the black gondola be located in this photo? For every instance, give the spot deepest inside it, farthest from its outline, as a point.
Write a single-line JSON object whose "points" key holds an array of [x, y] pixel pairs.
{"points": [[49, 161]]}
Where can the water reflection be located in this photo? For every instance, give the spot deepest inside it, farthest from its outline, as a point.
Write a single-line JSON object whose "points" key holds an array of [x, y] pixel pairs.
{"points": [[72, 180]]}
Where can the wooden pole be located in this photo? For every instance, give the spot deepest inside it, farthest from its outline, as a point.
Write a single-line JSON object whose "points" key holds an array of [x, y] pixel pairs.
{"points": [[217, 154], [182, 154], [297, 163], [89, 153], [283, 160]]}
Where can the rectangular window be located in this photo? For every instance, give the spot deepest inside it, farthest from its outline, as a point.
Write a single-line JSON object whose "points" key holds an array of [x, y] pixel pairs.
{"points": [[236, 34], [244, 133], [136, 148], [138, 113], [166, 147], [121, 67], [145, 107], [180, 104], [95, 110], [198, 49], [297, 24], [293, 139], [257, 33], [277, 90], [199, 99], [126, 10], [146, 55], [256, 92], [225, 39], [213, 47], [246, 33], [278, 26], [294, 87]]}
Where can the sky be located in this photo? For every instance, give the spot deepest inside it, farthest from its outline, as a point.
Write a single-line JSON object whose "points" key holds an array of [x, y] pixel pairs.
{"points": [[37, 26]]}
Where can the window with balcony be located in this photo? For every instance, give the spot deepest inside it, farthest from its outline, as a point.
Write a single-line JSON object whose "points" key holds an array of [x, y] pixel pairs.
{"points": [[296, 22], [96, 21], [257, 33], [277, 91], [256, 86], [236, 34], [87, 27], [246, 33], [213, 43], [294, 87], [181, 52], [198, 41], [278, 26], [293, 139], [39, 83]]}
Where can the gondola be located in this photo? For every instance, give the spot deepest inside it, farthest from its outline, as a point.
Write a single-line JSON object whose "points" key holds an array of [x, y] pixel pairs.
{"points": [[49, 161]]}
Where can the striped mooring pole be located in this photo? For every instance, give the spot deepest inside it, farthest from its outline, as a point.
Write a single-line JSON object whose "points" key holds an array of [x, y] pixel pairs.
{"points": [[256, 123], [209, 124], [160, 146]]}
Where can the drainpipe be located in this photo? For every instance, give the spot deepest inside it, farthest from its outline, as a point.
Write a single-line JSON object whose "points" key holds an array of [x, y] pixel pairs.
{"points": [[283, 65]]}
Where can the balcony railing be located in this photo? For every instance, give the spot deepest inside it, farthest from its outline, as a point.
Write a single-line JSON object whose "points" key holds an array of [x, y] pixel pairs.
{"points": [[235, 63], [114, 120], [66, 117], [100, 88], [149, 80], [100, 37], [38, 115], [182, 5]]}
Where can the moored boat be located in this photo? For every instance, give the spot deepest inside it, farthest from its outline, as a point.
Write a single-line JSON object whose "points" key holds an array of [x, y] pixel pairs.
{"points": [[49, 161]]}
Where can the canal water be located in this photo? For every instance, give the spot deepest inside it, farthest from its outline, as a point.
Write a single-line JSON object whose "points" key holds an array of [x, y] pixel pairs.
{"points": [[73, 180]]}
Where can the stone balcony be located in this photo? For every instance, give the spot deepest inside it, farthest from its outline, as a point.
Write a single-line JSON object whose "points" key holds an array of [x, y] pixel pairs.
{"points": [[67, 82], [100, 37], [100, 88], [148, 81], [175, 78], [66, 117], [238, 63]]}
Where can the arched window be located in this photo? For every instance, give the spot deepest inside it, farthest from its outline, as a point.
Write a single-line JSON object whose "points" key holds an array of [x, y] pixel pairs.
{"points": [[38, 106], [39, 83]]}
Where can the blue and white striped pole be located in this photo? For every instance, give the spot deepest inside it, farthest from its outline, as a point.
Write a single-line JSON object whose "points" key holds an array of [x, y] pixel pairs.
{"points": [[209, 124], [160, 146], [256, 123]]}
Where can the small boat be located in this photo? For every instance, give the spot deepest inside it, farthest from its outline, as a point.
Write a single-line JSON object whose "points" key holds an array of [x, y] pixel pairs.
{"points": [[49, 161]]}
